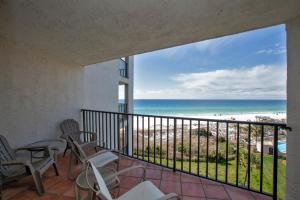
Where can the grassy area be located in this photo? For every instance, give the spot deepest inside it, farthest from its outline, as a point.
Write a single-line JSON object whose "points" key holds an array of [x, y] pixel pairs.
{"points": [[242, 177]]}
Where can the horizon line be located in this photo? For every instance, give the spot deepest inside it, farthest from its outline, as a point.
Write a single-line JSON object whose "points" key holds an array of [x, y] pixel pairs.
{"points": [[202, 99]]}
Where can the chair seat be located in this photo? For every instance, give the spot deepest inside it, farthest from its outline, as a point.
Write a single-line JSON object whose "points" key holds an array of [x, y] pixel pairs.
{"points": [[145, 190], [81, 181], [103, 159]]}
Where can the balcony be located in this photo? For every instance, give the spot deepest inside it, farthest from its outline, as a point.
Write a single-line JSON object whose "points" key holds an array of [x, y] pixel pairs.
{"points": [[187, 186], [123, 68], [122, 107], [233, 154]]}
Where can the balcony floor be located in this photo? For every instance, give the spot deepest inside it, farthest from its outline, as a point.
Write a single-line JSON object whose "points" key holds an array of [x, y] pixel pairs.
{"points": [[187, 186]]}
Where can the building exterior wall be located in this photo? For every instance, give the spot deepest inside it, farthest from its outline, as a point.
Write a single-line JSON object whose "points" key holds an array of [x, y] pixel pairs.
{"points": [[293, 109], [101, 82], [37, 92]]}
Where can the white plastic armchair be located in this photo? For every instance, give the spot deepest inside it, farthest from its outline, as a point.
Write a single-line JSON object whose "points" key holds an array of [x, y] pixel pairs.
{"points": [[99, 159], [110, 177], [70, 127], [13, 168], [145, 190]]}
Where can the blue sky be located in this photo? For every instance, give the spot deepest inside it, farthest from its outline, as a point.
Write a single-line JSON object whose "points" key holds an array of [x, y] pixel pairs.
{"points": [[249, 65]]}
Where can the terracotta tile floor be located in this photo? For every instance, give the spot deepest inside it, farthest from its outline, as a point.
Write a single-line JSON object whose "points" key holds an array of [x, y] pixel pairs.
{"points": [[187, 186]]}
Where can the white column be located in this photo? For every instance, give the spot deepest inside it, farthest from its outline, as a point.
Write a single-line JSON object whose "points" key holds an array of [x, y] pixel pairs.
{"points": [[130, 100], [293, 109]]}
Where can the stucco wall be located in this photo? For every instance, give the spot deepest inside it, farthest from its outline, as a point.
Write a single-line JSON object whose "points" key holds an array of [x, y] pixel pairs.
{"points": [[293, 109], [37, 92]]}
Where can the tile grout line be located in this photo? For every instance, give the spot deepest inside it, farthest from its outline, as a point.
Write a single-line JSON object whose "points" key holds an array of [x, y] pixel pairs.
{"points": [[227, 192]]}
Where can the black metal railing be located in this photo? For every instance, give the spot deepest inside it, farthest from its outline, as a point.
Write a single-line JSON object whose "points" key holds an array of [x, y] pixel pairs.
{"points": [[123, 68], [122, 107], [228, 151]]}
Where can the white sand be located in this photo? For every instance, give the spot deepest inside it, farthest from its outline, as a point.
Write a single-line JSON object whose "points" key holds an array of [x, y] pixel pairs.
{"points": [[240, 117]]}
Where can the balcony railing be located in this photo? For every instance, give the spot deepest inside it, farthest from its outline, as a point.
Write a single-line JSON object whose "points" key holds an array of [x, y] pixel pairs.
{"points": [[123, 68], [239, 153]]}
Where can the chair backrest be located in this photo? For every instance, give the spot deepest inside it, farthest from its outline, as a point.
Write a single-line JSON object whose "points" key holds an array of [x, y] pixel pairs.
{"points": [[103, 191], [77, 149], [70, 127], [6, 154]]}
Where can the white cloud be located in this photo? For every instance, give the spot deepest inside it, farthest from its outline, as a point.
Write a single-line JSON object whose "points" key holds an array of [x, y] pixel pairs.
{"points": [[211, 46], [258, 82], [275, 50]]}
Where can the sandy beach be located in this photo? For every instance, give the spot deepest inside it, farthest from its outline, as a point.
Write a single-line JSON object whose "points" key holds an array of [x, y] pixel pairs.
{"points": [[240, 117]]}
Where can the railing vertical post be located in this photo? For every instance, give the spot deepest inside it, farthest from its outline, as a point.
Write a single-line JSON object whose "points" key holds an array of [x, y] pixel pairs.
{"points": [[261, 159], [237, 155], [226, 169], [198, 150], [182, 135], [148, 139], [174, 150], [217, 152], [127, 134], [143, 136], [275, 162], [167, 142], [83, 120], [249, 156], [207, 149]]}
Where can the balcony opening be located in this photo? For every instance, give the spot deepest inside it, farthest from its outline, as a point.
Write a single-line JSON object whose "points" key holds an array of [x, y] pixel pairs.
{"points": [[123, 67], [208, 88], [123, 98]]}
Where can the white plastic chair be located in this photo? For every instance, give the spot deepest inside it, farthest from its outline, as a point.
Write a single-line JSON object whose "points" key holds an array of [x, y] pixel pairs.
{"points": [[145, 190], [99, 159]]}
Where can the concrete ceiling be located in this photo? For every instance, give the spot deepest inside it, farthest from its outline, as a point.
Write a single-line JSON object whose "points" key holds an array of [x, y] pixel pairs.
{"points": [[90, 31]]}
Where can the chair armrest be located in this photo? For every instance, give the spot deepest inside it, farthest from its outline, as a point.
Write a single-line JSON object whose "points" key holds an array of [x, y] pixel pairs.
{"points": [[45, 149], [94, 135], [89, 132], [17, 162], [88, 143], [129, 169], [169, 196], [14, 162], [33, 148]]}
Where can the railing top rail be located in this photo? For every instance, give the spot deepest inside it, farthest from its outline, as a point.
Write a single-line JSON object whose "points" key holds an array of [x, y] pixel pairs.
{"points": [[282, 125]]}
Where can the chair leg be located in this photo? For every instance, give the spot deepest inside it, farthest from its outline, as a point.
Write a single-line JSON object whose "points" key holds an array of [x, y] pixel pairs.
{"points": [[70, 165], [55, 169], [38, 182], [1, 191], [65, 151]]}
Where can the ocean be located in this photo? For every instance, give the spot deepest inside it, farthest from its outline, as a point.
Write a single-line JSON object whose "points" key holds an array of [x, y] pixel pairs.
{"points": [[207, 107]]}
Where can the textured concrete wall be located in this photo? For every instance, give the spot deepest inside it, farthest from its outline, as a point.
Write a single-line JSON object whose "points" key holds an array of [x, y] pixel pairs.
{"points": [[293, 109], [93, 31], [37, 92]]}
